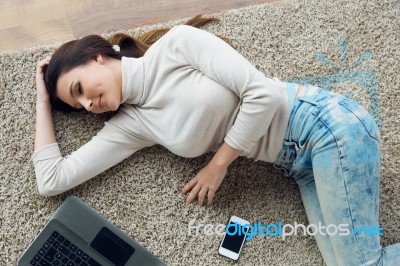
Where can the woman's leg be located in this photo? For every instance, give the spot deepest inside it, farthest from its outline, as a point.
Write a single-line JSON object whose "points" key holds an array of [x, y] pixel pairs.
{"points": [[346, 169], [336, 164], [310, 200], [348, 195], [337, 170]]}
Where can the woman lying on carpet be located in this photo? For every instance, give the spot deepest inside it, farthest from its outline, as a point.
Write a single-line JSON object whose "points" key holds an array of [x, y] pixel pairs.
{"points": [[193, 93]]}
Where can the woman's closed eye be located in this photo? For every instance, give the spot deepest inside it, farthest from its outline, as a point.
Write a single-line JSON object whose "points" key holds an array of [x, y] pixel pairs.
{"points": [[80, 90]]}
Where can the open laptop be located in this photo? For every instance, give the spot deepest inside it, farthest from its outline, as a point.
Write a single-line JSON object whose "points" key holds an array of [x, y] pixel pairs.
{"points": [[78, 235]]}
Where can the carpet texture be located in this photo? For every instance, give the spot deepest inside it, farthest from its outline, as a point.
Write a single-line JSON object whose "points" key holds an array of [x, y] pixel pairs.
{"points": [[346, 46]]}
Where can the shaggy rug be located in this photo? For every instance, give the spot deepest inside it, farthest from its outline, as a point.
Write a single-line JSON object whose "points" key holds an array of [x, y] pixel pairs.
{"points": [[346, 46]]}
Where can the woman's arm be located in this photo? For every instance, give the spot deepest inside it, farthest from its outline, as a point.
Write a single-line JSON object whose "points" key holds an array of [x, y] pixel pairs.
{"points": [[44, 134], [119, 138], [56, 174], [259, 96], [207, 181], [260, 101]]}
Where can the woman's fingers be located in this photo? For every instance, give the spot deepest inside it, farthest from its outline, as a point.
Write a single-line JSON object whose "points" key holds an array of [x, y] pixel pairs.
{"points": [[201, 195], [43, 63], [210, 196], [196, 190], [204, 184], [189, 186], [41, 91], [39, 68], [201, 192], [193, 193]]}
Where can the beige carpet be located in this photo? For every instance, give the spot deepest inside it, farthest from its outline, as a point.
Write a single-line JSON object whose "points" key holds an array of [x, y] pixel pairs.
{"points": [[316, 41]]}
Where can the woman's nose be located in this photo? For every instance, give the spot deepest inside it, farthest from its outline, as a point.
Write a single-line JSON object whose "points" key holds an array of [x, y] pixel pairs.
{"points": [[87, 104]]}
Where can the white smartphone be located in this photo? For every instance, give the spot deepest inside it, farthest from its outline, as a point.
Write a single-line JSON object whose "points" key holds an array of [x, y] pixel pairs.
{"points": [[232, 244]]}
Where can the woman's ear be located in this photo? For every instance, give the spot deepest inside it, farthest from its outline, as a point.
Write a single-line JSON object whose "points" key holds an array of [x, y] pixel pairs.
{"points": [[99, 58]]}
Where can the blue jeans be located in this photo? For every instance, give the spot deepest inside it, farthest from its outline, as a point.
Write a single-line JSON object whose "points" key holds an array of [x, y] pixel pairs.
{"points": [[332, 150]]}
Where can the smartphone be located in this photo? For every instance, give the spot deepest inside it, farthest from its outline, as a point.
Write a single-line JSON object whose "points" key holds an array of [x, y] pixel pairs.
{"points": [[232, 244]]}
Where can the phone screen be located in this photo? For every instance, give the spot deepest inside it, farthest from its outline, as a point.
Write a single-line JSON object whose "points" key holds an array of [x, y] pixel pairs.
{"points": [[234, 242]]}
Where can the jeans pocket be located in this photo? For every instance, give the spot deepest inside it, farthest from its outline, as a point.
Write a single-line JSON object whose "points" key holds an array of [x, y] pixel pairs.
{"points": [[363, 116]]}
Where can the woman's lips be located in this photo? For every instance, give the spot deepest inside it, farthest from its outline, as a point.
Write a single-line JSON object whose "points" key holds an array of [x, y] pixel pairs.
{"points": [[100, 104]]}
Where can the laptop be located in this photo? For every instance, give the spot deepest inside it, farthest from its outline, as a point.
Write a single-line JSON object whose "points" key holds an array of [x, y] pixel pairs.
{"points": [[78, 235]]}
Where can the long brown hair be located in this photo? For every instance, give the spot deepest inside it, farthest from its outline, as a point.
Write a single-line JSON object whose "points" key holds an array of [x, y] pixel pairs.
{"points": [[78, 52]]}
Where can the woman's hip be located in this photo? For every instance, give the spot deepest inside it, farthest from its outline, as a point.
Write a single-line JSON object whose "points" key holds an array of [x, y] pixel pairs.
{"points": [[320, 118]]}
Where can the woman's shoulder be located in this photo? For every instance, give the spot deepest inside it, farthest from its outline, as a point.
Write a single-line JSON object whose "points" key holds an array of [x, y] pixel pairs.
{"points": [[169, 42], [177, 33], [182, 31]]}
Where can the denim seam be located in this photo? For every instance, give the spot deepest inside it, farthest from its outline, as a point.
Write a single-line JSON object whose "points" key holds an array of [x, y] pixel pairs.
{"points": [[361, 121]]}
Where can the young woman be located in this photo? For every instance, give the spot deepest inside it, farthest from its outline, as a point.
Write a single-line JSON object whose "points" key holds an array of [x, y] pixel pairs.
{"points": [[193, 93]]}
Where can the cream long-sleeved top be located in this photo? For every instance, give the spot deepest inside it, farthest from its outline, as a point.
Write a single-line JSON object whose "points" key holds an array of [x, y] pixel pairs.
{"points": [[190, 92]]}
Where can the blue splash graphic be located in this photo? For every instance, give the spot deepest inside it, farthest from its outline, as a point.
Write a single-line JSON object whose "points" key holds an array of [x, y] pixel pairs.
{"points": [[366, 79]]}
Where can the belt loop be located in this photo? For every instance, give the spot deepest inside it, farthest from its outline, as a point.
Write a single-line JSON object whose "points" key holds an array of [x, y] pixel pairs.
{"points": [[308, 99], [292, 143]]}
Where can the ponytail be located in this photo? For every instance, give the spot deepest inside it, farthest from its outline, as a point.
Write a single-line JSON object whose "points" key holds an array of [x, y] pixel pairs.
{"points": [[137, 47]]}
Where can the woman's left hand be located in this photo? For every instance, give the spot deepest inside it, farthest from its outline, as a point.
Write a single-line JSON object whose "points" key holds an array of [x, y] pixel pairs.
{"points": [[205, 183]]}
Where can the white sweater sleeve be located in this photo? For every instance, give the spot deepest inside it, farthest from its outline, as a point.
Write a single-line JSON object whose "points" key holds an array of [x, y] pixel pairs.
{"points": [[55, 174], [259, 97]]}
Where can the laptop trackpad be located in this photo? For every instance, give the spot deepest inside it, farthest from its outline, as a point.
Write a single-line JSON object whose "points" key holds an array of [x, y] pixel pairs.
{"points": [[112, 247]]}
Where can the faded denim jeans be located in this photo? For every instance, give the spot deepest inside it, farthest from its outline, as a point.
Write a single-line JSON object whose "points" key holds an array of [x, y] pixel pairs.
{"points": [[332, 150]]}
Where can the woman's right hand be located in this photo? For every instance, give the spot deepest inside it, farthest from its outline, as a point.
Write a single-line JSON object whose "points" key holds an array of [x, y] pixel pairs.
{"points": [[41, 91], [44, 125]]}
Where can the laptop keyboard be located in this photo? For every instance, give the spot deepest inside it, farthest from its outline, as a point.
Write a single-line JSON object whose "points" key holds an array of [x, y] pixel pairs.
{"points": [[59, 251]]}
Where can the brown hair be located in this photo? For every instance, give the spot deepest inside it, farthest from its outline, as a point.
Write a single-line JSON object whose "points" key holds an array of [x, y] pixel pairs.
{"points": [[78, 52]]}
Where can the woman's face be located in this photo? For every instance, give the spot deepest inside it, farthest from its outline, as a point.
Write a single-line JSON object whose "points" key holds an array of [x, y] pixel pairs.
{"points": [[95, 86]]}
